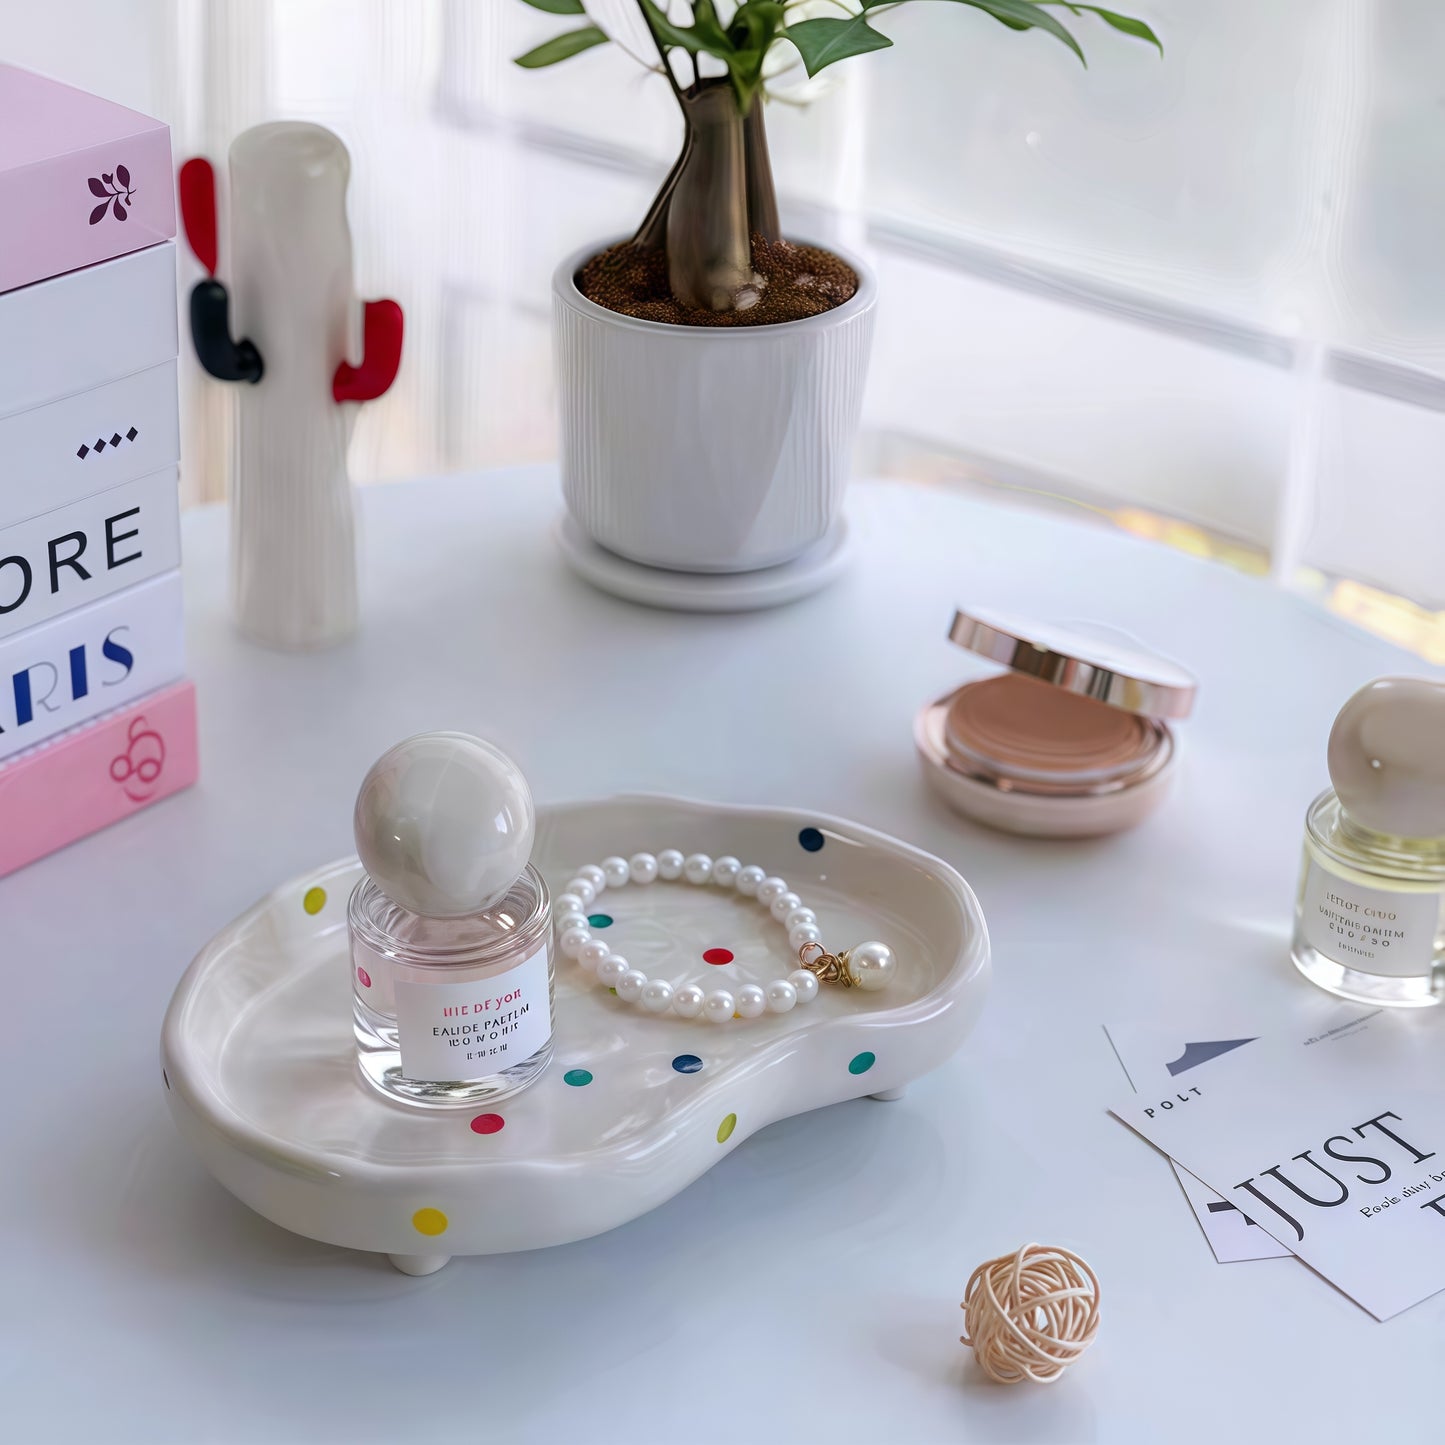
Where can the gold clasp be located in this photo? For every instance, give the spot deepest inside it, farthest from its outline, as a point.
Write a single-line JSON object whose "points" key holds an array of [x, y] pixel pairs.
{"points": [[824, 966]]}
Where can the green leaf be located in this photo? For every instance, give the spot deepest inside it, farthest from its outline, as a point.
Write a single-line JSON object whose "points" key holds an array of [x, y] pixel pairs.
{"points": [[1016, 14], [705, 34], [824, 41], [562, 47], [557, 7], [1127, 23]]}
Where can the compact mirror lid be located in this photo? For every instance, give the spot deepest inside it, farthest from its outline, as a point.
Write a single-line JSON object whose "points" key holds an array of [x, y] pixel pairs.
{"points": [[1090, 659]]}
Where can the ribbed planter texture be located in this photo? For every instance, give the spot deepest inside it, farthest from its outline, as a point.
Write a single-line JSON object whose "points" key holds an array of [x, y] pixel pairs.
{"points": [[707, 448]]}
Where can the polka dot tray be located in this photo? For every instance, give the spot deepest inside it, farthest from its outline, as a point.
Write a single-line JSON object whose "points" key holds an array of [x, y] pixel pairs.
{"points": [[260, 1076]]}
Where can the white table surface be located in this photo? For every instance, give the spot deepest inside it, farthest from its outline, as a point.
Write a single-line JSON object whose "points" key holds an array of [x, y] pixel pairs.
{"points": [[807, 1288]]}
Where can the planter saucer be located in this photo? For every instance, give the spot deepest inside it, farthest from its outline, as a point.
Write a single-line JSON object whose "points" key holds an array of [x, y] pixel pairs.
{"points": [[261, 1078], [822, 563]]}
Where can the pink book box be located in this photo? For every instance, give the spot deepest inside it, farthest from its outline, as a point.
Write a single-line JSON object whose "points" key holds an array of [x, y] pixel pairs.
{"points": [[96, 717]]}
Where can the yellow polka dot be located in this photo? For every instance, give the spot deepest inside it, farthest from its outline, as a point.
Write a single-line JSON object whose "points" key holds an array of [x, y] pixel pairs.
{"points": [[429, 1221], [315, 900], [725, 1129]]}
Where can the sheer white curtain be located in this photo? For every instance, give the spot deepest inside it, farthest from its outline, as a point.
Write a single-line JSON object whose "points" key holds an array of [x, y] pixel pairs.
{"points": [[1204, 287]]}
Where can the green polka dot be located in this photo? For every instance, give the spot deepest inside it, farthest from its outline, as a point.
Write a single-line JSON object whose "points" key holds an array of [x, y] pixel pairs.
{"points": [[600, 920], [578, 1078], [725, 1129], [861, 1063], [315, 900]]}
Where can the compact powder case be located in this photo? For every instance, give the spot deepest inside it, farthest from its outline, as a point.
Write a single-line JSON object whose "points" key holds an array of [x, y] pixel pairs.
{"points": [[1072, 741]]}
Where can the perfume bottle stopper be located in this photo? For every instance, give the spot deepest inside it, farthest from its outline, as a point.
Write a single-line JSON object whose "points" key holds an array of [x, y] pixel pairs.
{"points": [[1387, 757], [444, 824]]}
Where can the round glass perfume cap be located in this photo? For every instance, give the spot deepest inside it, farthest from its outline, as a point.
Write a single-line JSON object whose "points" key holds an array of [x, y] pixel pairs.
{"points": [[1090, 659]]}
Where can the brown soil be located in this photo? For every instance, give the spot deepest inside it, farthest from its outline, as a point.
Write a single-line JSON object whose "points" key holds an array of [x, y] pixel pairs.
{"points": [[791, 282]]}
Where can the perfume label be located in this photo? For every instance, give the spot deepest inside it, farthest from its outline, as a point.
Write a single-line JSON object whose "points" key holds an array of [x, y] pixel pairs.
{"points": [[1371, 929], [457, 1032]]}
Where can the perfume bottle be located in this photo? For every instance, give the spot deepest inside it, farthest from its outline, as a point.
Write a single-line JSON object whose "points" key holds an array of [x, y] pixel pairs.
{"points": [[1370, 912], [451, 939]]}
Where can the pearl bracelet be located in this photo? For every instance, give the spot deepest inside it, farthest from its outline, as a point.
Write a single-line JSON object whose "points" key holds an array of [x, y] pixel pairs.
{"points": [[866, 966]]}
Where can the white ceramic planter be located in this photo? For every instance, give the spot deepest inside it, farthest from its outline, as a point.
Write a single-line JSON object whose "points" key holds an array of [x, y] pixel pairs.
{"points": [[707, 449]]}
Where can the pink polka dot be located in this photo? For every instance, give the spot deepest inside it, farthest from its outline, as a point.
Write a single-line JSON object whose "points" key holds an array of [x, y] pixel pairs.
{"points": [[488, 1124], [365, 977], [717, 955]]}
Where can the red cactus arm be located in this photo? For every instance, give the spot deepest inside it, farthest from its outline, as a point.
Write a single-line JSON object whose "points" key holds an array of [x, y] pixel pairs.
{"points": [[382, 327], [197, 189]]}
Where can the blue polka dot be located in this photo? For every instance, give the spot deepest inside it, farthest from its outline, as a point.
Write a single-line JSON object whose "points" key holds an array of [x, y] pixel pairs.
{"points": [[577, 1078], [600, 920], [861, 1063], [687, 1063], [811, 839]]}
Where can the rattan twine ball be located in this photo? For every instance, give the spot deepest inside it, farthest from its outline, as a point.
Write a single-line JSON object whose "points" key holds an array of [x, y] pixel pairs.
{"points": [[1031, 1314]]}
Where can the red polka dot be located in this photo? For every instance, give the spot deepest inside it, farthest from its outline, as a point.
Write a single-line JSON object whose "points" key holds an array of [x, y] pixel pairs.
{"points": [[488, 1124], [717, 955], [365, 977]]}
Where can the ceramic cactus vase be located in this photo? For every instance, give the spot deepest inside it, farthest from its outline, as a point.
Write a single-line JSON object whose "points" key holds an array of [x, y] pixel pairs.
{"points": [[303, 350]]}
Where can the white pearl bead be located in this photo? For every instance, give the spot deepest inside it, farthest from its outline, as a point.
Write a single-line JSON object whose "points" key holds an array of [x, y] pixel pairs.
{"points": [[687, 1001], [581, 888], [631, 984], [799, 916], [573, 939], [568, 903], [769, 889], [781, 996], [871, 965], [698, 868], [656, 996], [719, 1006], [805, 983], [725, 870], [617, 871], [783, 905], [573, 918], [803, 933], [592, 953], [750, 1001], [594, 875], [642, 868], [669, 864], [612, 968], [748, 879]]}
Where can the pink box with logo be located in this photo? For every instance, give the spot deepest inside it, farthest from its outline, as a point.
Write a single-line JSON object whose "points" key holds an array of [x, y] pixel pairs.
{"points": [[95, 775], [81, 179]]}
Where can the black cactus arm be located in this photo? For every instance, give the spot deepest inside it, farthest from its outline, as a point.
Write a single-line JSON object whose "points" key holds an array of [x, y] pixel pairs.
{"points": [[223, 358]]}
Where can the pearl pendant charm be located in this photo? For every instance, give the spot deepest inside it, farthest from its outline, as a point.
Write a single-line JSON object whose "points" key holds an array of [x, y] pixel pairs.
{"points": [[870, 965]]}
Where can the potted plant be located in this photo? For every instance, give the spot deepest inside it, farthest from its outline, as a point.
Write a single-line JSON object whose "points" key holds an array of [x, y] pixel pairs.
{"points": [[711, 371]]}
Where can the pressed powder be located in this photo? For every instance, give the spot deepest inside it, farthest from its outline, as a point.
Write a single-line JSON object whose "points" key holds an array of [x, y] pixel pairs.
{"points": [[1070, 742]]}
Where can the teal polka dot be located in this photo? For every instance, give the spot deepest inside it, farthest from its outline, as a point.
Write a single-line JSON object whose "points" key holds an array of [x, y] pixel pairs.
{"points": [[861, 1063], [578, 1078], [600, 920]]}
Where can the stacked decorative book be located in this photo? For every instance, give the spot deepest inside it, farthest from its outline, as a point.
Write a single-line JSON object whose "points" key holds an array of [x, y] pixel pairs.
{"points": [[96, 718]]}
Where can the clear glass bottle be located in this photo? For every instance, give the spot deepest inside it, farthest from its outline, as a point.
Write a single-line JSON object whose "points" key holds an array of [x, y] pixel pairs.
{"points": [[1370, 910], [451, 938], [452, 1011], [1370, 915]]}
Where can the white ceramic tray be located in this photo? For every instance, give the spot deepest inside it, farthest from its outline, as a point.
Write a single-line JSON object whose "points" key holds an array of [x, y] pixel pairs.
{"points": [[258, 1059]]}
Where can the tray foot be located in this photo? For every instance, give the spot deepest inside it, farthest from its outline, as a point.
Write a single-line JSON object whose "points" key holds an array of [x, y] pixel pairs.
{"points": [[888, 1095], [419, 1264]]}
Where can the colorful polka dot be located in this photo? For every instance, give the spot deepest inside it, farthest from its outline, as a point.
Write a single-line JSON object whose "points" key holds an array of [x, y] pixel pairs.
{"points": [[429, 1221], [363, 978], [725, 1129], [315, 900], [861, 1063], [600, 920], [578, 1078], [811, 840], [488, 1124], [718, 955], [687, 1063]]}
